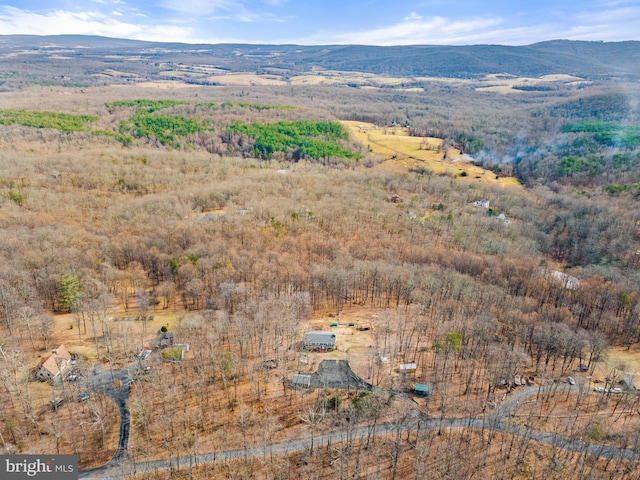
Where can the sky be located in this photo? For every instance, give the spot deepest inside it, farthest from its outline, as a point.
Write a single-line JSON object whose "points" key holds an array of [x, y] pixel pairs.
{"points": [[324, 22]]}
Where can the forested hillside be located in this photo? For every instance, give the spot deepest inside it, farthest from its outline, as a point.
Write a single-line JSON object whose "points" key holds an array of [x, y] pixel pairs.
{"points": [[89, 60], [181, 239]]}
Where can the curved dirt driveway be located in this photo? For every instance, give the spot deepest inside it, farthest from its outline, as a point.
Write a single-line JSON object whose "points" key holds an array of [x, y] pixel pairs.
{"points": [[119, 467]]}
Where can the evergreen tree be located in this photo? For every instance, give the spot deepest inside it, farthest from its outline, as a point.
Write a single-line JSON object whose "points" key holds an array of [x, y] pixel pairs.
{"points": [[69, 291]]}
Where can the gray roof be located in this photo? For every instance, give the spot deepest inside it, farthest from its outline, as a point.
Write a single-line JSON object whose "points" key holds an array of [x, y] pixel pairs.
{"points": [[299, 379], [331, 374], [325, 338]]}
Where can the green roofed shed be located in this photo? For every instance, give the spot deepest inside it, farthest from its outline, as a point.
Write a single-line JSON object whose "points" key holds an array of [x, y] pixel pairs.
{"points": [[422, 389]]}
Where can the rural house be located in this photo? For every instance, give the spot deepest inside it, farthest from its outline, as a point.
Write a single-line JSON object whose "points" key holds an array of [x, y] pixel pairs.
{"points": [[55, 365], [319, 340]]}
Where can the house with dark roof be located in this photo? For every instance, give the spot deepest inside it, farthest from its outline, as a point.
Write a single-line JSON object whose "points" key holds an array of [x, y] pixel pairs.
{"points": [[322, 341]]}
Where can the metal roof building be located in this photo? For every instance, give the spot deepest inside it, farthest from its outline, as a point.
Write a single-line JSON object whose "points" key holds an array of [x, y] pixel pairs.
{"points": [[319, 340], [422, 389], [407, 367], [301, 380]]}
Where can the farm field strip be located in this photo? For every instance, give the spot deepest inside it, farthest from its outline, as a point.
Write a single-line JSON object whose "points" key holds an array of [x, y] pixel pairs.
{"points": [[400, 149]]}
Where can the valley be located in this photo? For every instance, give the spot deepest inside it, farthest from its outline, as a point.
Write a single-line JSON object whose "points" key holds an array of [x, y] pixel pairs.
{"points": [[470, 241]]}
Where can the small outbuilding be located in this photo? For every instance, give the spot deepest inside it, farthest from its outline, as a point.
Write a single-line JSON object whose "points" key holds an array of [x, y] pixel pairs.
{"points": [[422, 389], [408, 368], [300, 380], [323, 341]]}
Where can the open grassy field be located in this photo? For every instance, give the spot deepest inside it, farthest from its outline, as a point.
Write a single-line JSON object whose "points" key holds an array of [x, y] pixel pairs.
{"points": [[403, 151], [364, 80], [246, 79], [360, 79], [514, 84]]}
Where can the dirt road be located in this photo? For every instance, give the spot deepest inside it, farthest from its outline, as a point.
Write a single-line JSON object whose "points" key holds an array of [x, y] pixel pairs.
{"points": [[413, 421]]}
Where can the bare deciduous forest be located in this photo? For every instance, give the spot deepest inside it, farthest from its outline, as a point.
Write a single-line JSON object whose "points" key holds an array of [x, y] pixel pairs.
{"points": [[180, 239]]}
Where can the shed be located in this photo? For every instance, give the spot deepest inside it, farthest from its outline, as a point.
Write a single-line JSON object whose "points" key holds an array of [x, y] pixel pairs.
{"points": [[408, 368], [422, 389], [319, 340], [300, 380]]}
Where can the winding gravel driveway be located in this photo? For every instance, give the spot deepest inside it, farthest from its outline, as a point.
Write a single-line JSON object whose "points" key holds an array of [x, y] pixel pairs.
{"points": [[120, 466]]}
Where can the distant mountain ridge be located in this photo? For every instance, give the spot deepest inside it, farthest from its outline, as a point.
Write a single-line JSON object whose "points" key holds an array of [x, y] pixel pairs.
{"points": [[590, 60]]}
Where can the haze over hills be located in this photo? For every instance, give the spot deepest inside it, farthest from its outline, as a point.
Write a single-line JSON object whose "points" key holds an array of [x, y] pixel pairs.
{"points": [[75, 56]]}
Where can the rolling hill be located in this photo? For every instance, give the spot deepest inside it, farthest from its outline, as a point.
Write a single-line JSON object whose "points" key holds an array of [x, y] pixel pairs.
{"points": [[71, 58]]}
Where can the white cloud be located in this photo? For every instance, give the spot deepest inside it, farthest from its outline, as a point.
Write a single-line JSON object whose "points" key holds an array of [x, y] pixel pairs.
{"points": [[610, 25], [200, 7], [613, 17], [246, 16], [415, 29], [609, 20], [230, 10], [614, 3], [16, 21], [413, 16]]}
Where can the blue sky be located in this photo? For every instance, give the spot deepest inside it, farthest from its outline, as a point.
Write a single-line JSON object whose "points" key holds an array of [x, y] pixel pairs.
{"points": [[315, 22]]}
